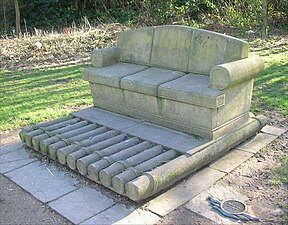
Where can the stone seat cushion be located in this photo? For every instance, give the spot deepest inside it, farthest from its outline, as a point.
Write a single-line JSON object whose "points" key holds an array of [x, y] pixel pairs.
{"points": [[168, 84], [111, 75], [192, 89], [148, 81]]}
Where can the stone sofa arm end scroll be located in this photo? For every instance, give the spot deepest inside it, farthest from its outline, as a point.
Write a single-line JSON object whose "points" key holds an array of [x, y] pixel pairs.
{"points": [[105, 57], [232, 73]]}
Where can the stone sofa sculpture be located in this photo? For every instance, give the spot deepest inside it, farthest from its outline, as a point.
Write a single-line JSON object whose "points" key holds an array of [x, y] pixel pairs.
{"points": [[192, 80], [188, 79]]}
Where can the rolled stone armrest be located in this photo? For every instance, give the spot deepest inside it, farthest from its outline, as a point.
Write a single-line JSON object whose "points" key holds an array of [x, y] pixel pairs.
{"points": [[229, 74], [105, 57]]}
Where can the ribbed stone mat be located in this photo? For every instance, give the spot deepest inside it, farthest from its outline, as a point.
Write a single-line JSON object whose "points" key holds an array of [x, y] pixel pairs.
{"points": [[105, 155], [123, 162]]}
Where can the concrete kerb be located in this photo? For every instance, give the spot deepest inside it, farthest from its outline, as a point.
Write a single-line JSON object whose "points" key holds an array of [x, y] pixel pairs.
{"points": [[179, 195]]}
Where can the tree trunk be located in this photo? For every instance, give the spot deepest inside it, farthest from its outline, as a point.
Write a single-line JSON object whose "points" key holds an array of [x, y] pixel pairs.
{"points": [[17, 18], [4, 19], [152, 5], [76, 5], [264, 17]]}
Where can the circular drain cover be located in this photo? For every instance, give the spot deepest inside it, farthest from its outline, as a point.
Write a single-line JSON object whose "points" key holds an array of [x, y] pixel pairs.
{"points": [[233, 206]]}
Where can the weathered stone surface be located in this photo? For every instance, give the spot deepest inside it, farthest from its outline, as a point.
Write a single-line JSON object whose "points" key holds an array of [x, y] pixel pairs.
{"points": [[232, 73], [112, 215], [11, 147], [231, 160], [183, 104], [106, 174], [135, 45], [26, 130], [97, 155], [142, 102], [120, 180], [166, 137], [62, 153], [148, 81], [37, 139], [237, 104], [257, 143], [14, 157], [81, 204], [111, 75], [41, 130], [163, 176], [209, 49], [192, 89], [273, 130], [106, 118], [74, 156], [94, 168], [105, 57], [171, 47], [51, 145], [202, 121], [120, 214], [183, 192], [44, 182]]}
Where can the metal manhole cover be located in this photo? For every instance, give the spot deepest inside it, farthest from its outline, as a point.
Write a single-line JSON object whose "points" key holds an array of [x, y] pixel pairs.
{"points": [[233, 206]]}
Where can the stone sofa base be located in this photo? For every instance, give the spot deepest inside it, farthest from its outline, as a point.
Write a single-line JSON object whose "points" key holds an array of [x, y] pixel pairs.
{"points": [[205, 122]]}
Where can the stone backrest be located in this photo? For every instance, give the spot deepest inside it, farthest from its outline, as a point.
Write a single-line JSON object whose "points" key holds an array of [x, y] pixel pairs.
{"points": [[180, 48]]}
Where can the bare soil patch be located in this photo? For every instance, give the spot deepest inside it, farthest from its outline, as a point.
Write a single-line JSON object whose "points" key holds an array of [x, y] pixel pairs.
{"points": [[7, 137]]}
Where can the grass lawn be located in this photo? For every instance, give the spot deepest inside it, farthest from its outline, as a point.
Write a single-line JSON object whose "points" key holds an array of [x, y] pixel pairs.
{"points": [[31, 96], [271, 88]]}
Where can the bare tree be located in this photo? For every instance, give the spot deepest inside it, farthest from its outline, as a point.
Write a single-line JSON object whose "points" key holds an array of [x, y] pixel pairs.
{"points": [[264, 17], [4, 17], [17, 18]]}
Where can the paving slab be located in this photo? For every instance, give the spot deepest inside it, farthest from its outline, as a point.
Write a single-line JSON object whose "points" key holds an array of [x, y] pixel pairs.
{"points": [[231, 160], [15, 159], [44, 182], [106, 118], [257, 143], [122, 214], [201, 206], [111, 215], [139, 216], [11, 147], [273, 130], [183, 192], [81, 204], [164, 136]]}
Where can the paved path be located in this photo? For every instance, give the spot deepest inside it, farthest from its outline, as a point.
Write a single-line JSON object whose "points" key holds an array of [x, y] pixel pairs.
{"points": [[82, 202]]}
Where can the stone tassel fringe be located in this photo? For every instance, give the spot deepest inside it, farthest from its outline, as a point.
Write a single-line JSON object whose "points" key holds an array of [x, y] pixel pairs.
{"points": [[45, 144], [73, 157], [106, 175], [62, 153], [53, 148], [83, 163], [94, 168], [26, 130], [119, 181], [28, 136]]}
